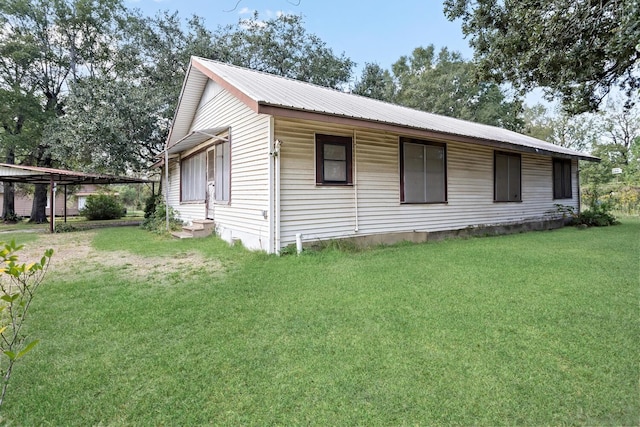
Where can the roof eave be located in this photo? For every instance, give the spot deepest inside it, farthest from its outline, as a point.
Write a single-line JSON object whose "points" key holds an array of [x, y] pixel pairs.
{"points": [[291, 112]]}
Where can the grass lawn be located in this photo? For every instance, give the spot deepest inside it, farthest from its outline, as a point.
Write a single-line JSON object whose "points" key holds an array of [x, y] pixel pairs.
{"points": [[532, 329]]}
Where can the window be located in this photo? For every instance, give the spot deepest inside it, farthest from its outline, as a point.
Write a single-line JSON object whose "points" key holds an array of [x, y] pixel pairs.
{"points": [[562, 179], [423, 172], [223, 172], [333, 160], [193, 178], [507, 177]]}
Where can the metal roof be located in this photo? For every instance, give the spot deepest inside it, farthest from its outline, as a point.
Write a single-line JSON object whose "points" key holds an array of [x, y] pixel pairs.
{"points": [[270, 94], [196, 138], [40, 175]]}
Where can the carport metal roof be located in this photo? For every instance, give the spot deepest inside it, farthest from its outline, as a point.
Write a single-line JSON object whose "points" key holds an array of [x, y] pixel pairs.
{"points": [[40, 175]]}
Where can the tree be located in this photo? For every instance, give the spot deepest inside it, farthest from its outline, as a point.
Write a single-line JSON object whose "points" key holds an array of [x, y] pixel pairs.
{"points": [[577, 50], [617, 145], [126, 113], [53, 42], [444, 84], [375, 83], [282, 46], [578, 133]]}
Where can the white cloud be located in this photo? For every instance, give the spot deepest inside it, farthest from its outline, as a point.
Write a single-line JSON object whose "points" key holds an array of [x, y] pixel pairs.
{"points": [[246, 11]]}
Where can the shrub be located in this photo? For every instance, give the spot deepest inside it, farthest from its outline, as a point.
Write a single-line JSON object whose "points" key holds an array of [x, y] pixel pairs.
{"points": [[11, 218], [599, 212], [18, 285], [65, 228], [150, 205], [102, 206], [156, 222]]}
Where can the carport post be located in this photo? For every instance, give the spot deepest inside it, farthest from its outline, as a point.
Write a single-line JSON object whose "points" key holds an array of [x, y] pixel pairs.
{"points": [[51, 204], [65, 203]]}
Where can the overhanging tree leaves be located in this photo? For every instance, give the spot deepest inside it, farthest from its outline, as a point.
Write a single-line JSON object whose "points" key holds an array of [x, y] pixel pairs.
{"points": [[577, 50]]}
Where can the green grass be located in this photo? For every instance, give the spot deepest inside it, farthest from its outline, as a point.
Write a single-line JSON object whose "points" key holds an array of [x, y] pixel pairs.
{"points": [[532, 329]]}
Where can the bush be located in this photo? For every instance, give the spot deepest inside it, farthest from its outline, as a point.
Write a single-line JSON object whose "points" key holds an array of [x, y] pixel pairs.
{"points": [[65, 228], [102, 206], [157, 221], [599, 212], [150, 205]]}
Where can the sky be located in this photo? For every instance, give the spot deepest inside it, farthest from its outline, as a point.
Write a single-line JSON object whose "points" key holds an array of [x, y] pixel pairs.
{"points": [[375, 32]]}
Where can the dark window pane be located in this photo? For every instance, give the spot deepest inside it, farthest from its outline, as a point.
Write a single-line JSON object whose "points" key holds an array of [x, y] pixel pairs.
{"points": [[435, 174], [514, 179], [415, 186]]}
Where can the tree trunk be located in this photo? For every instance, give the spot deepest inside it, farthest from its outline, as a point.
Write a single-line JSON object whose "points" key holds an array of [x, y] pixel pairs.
{"points": [[8, 201], [39, 207]]}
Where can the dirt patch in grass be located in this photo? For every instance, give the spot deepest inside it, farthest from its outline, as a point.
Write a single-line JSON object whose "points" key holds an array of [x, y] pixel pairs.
{"points": [[73, 252]]}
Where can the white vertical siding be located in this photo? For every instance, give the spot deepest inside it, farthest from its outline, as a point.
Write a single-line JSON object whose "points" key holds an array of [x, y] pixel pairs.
{"points": [[242, 218], [329, 212]]}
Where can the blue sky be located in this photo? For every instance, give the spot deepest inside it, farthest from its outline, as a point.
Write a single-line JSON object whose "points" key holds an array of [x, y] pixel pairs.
{"points": [[377, 32]]}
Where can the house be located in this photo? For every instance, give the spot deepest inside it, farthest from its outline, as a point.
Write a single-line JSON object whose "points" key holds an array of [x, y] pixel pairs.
{"points": [[270, 159]]}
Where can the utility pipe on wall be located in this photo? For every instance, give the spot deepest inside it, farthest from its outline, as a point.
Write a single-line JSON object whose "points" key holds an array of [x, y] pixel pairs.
{"points": [[355, 176], [298, 243], [276, 152], [166, 186]]}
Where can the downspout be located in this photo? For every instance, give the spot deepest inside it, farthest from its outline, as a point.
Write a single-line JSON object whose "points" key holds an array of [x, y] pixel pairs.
{"points": [[276, 151], [578, 181], [355, 177], [166, 186], [271, 212]]}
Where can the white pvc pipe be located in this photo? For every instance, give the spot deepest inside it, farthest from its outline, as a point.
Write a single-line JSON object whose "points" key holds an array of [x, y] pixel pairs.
{"points": [[298, 243], [278, 144], [355, 177], [166, 185]]}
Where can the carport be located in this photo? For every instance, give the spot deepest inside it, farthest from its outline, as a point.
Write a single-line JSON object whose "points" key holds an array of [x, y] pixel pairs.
{"points": [[55, 177]]}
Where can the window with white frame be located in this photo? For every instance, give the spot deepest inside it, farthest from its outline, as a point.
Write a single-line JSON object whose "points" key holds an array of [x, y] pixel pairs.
{"points": [[423, 171], [193, 178]]}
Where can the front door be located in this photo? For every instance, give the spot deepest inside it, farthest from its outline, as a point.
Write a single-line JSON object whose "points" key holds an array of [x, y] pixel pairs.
{"points": [[211, 182]]}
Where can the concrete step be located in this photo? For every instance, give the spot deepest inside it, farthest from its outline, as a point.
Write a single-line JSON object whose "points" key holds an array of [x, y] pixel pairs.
{"points": [[182, 234], [204, 223], [198, 228], [197, 231]]}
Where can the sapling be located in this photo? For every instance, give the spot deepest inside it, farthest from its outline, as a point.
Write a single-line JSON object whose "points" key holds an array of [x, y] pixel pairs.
{"points": [[18, 285]]}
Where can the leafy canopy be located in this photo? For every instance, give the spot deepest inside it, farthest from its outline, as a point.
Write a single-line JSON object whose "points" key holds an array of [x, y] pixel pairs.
{"points": [[576, 50], [441, 83]]}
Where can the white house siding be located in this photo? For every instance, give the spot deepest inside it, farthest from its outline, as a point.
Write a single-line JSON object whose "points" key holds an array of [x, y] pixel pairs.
{"points": [[243, 217], [329, 212]]}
